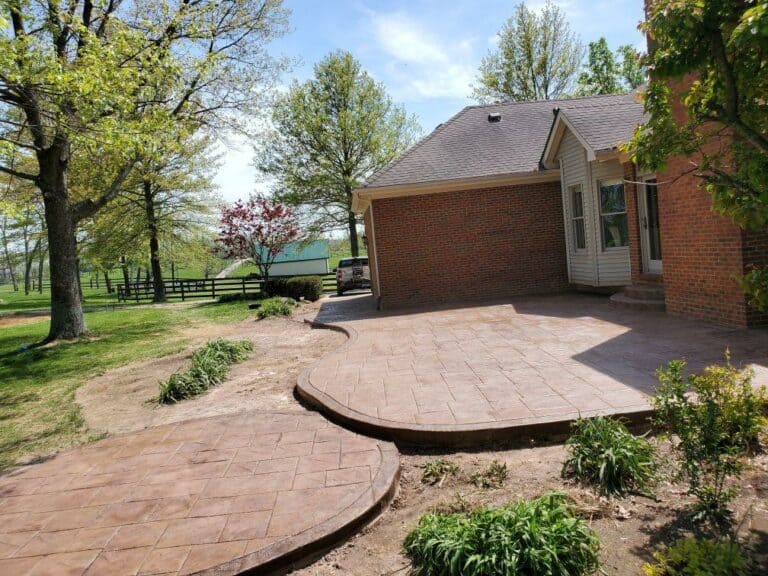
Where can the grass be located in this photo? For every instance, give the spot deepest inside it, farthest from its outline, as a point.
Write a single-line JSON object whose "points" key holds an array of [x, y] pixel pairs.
{"points": [[603, 453], [210, 366], [38, 412], [528, 537], [276, 306], [11, 301]]}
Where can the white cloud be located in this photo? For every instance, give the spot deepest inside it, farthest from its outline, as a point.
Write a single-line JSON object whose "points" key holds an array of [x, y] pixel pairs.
{"points": [[421, 65]]}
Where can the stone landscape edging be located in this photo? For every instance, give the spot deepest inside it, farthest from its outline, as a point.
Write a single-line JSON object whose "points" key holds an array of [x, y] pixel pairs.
{"points": [[439, 435]]}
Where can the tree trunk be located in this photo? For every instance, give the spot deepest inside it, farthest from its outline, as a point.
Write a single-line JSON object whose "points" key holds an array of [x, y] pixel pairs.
{"points": [[108, 282], [29, 259], [67, 319], [8, 260], [126, 276], [354, 248], [40, 265]]}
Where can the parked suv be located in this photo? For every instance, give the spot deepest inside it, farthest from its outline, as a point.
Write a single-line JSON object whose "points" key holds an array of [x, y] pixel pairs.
{"points": [[352, 273]]}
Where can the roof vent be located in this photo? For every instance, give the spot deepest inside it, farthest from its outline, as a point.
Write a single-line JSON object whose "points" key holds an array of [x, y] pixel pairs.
{"points": [[494, 117]]}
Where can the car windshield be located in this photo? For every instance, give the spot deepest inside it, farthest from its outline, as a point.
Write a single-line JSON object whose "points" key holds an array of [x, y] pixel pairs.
{"points": [[350, 262]]}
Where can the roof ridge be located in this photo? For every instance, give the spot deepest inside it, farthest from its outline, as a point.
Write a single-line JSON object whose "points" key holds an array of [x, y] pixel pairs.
{"points": [[553, 101], [439, 128]]}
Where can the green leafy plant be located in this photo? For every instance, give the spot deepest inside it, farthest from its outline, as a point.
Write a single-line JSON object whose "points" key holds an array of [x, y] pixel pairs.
{"points": [[527, 537], [210, 366], [436, 471], [237, 297], [307, 287], [602, 452], [692, 557], [492, 476], [716, 418], [275, 306]]}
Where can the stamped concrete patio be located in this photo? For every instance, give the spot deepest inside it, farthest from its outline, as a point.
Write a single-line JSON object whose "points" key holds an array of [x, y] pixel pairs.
{"points": [[213, 496], [501, 371]]}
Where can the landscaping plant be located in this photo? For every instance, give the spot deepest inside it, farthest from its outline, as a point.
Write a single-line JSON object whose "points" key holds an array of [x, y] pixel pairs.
{"points": [[602, 452], [210, 366], [492, 476], [275, 306], [716, 418], [527, 537], [693, 557], [436, 471]]}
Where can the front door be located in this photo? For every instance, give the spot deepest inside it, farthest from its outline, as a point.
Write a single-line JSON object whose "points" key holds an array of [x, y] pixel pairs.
{"points": [[650, 234]]}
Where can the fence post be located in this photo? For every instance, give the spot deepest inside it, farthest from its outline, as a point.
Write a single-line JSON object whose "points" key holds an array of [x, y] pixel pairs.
{"points": [[182, 290], [243, 280], [213, 288]]}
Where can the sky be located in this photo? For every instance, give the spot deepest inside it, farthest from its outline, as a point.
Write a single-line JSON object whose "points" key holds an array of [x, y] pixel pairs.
{"points": [[425, 52]]}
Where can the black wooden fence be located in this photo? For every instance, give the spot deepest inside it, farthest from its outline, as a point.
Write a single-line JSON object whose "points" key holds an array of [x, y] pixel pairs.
{"points": [[189, 288]]}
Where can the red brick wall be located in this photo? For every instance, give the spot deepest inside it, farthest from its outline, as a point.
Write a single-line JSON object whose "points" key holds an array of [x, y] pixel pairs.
{"points": [[472, 245], [633, 221], [755, 250]]}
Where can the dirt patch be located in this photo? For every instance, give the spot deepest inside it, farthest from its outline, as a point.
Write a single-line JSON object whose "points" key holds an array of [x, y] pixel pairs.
{"points": [[630, 529], [121, 400], [8, 321]]}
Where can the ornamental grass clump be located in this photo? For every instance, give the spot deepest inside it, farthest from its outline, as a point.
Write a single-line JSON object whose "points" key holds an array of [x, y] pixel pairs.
{"points": [[527, 537], [715, 419], [694, 557], [604, 454], [210, 366], [275, 306]]}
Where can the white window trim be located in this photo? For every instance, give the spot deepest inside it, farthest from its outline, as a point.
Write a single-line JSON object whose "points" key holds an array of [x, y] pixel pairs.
{"points": [[572, 189], [600, 213]]}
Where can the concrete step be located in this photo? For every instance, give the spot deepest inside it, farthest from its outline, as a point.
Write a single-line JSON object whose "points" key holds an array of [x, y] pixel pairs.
{"points": [[623, 300], [645, 291]]}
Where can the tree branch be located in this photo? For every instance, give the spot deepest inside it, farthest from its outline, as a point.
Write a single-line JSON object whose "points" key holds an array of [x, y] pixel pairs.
{"points": [[18, 174], [87, 208]]}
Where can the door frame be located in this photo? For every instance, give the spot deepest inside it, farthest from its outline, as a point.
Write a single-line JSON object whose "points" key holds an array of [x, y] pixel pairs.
{"points": [[649, 266]]}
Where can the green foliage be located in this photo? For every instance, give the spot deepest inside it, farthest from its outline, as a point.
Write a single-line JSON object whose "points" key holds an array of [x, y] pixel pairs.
{"points": [[435, 471], [717, 419], [492, 476], [210, 366], [537, 58], [692, 557], [307, 287], [602, 452], [237, 297], [533, 538], [606, 73], [330, 133], [275, 306], [724, 46]]}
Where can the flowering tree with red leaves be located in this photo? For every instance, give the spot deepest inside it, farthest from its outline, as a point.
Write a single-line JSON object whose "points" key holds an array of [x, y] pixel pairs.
{"points": [[259, 229]]}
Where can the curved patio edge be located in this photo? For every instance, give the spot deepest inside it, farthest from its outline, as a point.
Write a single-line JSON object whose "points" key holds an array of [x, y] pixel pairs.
{"points": [[302, 549], [441, 435]]}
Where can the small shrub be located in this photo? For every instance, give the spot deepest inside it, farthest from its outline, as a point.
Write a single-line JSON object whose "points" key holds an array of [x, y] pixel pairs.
{"points": [[492, 476], [275, 306], [307, 287], [716, 425], [607, 455], [236, 297], [692, 557], [435, 471], [531, 537], [275, 287], [210, 365]]}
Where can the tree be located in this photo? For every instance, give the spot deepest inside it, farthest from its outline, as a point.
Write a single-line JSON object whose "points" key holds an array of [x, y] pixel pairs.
{"points": [[537, 58], [719, 51], [103, 79], [609, 73], [258, 229], [331, 133]]}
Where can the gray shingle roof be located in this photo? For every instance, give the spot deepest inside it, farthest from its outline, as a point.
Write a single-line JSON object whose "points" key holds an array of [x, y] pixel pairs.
{"points": [[469, 146]]}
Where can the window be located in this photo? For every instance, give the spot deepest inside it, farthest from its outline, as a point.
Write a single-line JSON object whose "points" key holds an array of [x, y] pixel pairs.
{"points": [[613, 215], [577, 217]]}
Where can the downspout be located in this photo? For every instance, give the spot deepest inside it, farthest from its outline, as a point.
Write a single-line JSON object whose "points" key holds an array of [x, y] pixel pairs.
{"points": [[375, 259]]}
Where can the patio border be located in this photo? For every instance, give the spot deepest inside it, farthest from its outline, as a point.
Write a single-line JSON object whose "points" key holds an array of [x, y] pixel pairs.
{"points": [[439, 435]]}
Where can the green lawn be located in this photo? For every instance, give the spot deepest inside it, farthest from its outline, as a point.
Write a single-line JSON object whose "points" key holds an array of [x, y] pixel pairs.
{"points": [[11, 301], [37, 385]]}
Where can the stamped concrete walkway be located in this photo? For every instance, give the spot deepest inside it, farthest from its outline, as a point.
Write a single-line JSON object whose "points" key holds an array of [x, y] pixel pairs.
{"points": [[487, 372], [212, 496]]}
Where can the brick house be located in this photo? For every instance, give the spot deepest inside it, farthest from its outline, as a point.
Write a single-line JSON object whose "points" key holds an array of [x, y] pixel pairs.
{"points": [[536, 197]]}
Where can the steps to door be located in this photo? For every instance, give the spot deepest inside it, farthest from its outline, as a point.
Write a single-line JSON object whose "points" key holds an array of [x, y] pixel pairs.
{"points": [[641, 296]]}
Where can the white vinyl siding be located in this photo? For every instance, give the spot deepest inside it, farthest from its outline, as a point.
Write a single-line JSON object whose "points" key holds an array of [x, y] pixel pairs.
{"points": [[573, 159], [593, 266]]}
